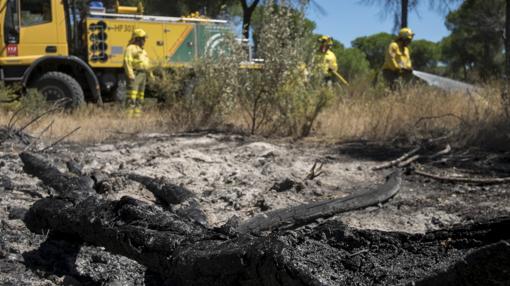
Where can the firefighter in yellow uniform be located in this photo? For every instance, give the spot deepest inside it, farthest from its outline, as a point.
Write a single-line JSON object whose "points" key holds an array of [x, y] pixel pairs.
{"points": [[326, 60], [397, 63], [138, 69]]}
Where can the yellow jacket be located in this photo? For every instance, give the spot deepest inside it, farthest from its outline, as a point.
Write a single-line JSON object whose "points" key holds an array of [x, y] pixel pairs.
{"points": [[326, 61], [135, 59], [397, 57]]}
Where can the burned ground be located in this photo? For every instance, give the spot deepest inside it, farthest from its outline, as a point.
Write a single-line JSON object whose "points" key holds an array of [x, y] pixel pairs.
{"points": [[235, 176]]}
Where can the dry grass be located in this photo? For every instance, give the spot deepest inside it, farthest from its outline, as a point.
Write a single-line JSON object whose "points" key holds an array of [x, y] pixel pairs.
{"points": [[96, 124], [418, 112]]}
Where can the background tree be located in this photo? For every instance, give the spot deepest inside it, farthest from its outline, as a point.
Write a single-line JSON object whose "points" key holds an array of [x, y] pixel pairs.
{"points": [[374, 47], [400, 9], [425, 55], [249, 8], [176, 8], [475, 47], [353, 63]]}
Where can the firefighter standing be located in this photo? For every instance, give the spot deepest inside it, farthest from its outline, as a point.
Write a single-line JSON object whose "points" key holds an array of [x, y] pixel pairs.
{"points": [[326, 60], [397, 63], [137, 69]]}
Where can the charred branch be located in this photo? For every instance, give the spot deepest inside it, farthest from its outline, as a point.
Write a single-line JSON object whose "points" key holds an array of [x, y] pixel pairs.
{"points": [[412, 156], [167, 192], [396, 162], [315, 171], [71, 187], [307, 213], [178, 198], [452, 179]]}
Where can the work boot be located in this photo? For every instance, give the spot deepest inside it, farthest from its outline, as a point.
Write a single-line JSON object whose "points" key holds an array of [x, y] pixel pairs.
{"points": [[137, 112]]}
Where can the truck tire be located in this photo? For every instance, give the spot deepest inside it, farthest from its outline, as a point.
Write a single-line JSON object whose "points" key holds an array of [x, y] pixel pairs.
{"points": [[57, 86]]}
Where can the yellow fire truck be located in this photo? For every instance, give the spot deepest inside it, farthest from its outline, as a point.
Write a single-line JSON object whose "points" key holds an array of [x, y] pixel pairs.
{"points": [[77, 53]]}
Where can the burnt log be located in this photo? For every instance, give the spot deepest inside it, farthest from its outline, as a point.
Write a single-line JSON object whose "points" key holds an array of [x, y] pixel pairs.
{"points": [[175, 246], [304, 214], [489, 265], [182, 251], [187, 253]]}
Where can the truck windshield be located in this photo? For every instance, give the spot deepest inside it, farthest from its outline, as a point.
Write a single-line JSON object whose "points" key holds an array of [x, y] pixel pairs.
{"points": [[11, 25]]}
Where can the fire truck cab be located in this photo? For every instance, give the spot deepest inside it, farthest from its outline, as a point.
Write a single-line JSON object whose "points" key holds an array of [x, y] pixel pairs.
{"points": [[76, 53]]}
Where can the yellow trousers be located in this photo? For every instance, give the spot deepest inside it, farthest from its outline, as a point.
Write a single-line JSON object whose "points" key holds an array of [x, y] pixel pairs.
{"points": [[136, 93]]}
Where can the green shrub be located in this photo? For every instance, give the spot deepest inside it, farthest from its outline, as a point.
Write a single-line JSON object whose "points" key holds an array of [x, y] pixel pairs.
{"points": [[203, 95], [281, 99], [9, 97], [33, 102]]}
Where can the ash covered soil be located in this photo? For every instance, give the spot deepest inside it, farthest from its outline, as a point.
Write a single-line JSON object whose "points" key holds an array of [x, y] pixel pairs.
{"points": [[232, 175]]}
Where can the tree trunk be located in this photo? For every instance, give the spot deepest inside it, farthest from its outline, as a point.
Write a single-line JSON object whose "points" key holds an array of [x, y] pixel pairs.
{"points": [[247, 14], [404, 14], [507, 43]]}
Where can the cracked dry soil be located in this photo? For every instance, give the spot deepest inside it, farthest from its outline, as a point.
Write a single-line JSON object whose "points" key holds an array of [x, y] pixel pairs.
{"points": [[233, 175]]}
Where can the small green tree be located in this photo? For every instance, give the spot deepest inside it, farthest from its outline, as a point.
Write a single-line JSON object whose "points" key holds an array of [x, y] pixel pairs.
{"points": [[280, 98]]}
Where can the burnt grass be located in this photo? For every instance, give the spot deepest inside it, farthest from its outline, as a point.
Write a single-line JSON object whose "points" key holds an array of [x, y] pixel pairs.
{"points": [[328, 252]]}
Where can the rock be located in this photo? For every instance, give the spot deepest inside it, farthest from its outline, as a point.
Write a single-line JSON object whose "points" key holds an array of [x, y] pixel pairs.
{"points": [[262, 205], [287, 185], [102, 182], [436, 221], [229, 228], [74, 167], [6, 183], [15, 258]]}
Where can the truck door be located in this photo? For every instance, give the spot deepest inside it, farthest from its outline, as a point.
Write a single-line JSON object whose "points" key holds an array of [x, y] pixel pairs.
{"points": [[10, 39], [42, 30]]}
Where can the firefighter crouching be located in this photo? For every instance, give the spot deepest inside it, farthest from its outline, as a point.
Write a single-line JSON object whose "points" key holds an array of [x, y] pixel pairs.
{"points": [[397, 63], [138, 69]]}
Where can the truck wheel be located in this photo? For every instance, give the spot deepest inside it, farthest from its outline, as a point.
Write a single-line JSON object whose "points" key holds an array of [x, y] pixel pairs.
{"points": [[57, 86]]}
